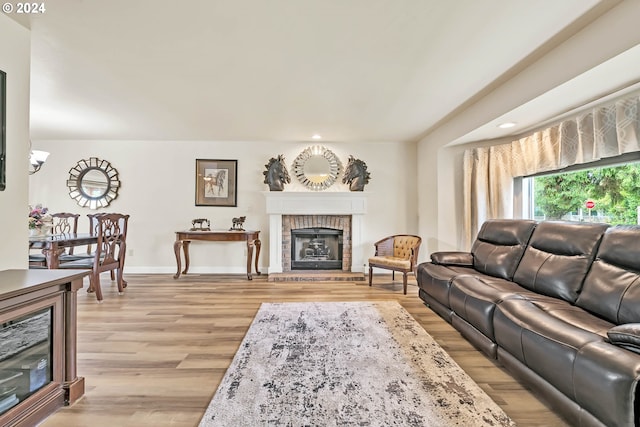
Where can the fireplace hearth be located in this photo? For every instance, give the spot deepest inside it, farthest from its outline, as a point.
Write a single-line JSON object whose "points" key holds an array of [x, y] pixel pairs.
{"points": [[316, 249]]}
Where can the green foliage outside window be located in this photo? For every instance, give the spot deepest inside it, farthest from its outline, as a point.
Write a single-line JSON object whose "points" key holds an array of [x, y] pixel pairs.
{"points": [[615, 191]]}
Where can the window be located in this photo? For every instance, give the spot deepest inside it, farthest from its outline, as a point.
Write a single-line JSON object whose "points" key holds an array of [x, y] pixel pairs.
{"points": [[608, 194]]}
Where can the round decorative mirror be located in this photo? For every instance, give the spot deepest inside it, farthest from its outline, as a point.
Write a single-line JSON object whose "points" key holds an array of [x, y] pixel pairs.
{"points": [[317, 168], [93, 183]]}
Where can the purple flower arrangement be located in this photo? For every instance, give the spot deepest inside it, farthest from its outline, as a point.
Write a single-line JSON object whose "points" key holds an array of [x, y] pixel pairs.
{"points": [[38, 216]]}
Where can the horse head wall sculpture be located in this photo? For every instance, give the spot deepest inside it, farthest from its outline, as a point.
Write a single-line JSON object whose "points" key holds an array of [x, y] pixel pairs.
{"points": [[356, 174], [276, 175]]}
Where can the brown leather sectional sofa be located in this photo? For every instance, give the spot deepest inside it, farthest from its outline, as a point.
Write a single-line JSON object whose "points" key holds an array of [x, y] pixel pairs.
{"points": [[557, 304]]}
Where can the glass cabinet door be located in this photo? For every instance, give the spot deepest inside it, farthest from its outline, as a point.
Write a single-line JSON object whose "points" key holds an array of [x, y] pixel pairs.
{"points": [[25, 356]]}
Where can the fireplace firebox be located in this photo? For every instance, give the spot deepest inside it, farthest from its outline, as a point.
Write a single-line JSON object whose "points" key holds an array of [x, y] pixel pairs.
{"points": [[316, 249]]}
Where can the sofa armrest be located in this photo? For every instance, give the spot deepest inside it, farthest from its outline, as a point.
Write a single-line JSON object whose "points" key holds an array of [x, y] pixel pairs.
{"points": [[464, 259], [626, 336]]}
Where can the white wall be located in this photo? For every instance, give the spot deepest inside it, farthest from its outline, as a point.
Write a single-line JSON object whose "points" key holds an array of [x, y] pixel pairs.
{"points": [[15, 61], [157, 190]]}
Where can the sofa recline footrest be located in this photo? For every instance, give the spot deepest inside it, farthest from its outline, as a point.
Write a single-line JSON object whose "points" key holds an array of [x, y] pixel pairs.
{"points": [[474, 336], [546, 392], [612, 371]]}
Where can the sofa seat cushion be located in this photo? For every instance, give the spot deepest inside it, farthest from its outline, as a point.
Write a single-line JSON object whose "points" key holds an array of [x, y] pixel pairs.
{"points": [[571, 314], [391, 262], [474, 298], [546, 334], [435, 279]]}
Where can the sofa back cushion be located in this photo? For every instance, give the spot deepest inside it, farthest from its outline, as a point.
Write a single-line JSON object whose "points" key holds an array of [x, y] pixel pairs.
{"points": [[612, 287], [558, 258], [499, 246]]}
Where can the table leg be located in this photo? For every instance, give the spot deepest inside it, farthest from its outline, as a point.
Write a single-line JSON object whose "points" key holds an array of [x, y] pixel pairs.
{"points": [[176, 249], [53, 256], [185, 249], [249, 258], [258, 244], [123, 282]]}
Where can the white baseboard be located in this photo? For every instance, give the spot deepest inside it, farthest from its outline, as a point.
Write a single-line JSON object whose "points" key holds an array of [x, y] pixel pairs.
{"points": [[202, 270], [194, 270]]}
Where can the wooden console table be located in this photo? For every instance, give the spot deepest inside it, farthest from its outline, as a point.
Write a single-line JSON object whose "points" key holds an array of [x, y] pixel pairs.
{"points": [[184, 238]]}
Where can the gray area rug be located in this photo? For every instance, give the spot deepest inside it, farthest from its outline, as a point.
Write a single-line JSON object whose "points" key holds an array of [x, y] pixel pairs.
{"points": [[345, 364]]}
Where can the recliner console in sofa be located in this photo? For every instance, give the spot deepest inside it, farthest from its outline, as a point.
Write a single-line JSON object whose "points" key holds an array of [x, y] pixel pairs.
{"points": [[557, 304]]}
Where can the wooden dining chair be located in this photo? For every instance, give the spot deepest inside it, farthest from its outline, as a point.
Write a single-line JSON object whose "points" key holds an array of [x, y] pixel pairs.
{"points": [[110, 252], [89, 253], [62, 223], [93, 228], [65, 223]]}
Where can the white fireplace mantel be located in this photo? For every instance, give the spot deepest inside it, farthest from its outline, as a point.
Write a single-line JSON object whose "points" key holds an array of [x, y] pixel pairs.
{"points": [[315, 203]]}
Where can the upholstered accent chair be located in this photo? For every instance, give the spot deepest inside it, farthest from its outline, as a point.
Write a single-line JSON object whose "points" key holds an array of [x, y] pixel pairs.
{"points": [[396, 253]]}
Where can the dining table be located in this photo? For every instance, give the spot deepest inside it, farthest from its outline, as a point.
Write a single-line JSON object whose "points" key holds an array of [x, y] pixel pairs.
{"points": [[55, 244]]}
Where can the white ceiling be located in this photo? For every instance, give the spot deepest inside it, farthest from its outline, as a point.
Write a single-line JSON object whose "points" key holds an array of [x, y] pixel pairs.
{"points": [[350, 70]]}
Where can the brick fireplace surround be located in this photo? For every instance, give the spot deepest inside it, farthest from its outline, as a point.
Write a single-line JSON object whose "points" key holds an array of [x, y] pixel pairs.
{"points": [[336, 222], [339, 210]]}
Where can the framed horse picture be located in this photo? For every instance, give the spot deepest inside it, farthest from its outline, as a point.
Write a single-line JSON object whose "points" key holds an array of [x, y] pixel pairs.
{"points": [[216, 182]]}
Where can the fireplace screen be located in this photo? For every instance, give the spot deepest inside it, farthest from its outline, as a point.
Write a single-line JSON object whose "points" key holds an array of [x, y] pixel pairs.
{"points": [[316, 249]]}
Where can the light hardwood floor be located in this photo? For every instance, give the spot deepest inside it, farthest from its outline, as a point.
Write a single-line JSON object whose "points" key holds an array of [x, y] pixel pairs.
{"points": [[155, 355]]}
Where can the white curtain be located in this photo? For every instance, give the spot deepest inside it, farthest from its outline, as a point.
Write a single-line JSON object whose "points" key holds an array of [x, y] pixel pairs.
{"points": [[606, 131]]}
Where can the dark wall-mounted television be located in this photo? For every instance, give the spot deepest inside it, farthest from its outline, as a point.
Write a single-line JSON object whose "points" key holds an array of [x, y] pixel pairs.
{"points": [[3, 120]]}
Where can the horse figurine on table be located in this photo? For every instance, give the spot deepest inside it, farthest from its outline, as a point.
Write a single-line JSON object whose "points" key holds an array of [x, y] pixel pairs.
{"points": [[198, 224], [214, 184], [356, 174], [276, 174], [237, 223]]}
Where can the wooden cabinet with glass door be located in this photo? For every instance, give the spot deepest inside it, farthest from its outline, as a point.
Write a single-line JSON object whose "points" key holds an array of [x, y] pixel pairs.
{"points": [[38, 353]]}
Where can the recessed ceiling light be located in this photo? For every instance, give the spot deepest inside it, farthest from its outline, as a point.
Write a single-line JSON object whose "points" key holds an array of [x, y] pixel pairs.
{"points": [[506, 125], [316, 136]]}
